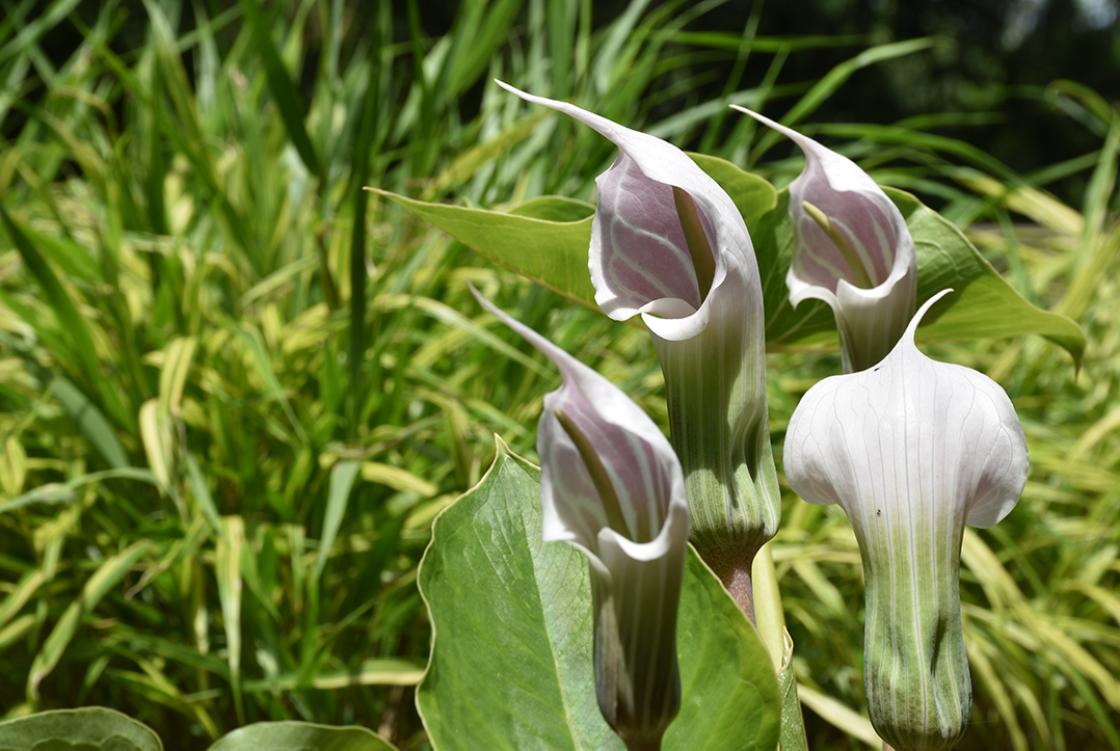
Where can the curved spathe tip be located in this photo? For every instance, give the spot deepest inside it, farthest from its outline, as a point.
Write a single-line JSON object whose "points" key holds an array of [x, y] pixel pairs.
{"points": [[912, 327], [525, 94], [559, 357], [803, 141]]}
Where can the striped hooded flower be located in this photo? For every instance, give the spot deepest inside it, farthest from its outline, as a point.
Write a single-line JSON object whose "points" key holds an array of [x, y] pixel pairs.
{"points": [[612, 487], [852, 250], [669, 245], [912, 449]]}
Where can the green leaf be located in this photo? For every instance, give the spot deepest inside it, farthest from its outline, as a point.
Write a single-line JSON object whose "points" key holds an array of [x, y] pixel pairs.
{"points": [[89, 729], [511, 663], [555, 209], [227, 570], [550, 252], [300, 736], [63, 492], [547, 239], [752, 195]]}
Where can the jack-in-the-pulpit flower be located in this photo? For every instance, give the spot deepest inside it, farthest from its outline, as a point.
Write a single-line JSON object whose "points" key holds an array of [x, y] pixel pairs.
{"points": [[852, 250], [912, 449], [612, 486], [668, 244]]}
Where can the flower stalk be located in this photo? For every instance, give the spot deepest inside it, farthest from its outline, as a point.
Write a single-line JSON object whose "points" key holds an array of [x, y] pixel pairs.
{"points": [[669, 245]]}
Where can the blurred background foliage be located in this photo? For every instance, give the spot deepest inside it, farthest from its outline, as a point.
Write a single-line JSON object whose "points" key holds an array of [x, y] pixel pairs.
{"points": [[235, 388]]}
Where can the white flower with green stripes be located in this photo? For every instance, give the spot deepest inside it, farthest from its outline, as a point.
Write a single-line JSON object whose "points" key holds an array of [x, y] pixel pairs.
{"points": [[612, 486], [852, 250], [912, 449]]}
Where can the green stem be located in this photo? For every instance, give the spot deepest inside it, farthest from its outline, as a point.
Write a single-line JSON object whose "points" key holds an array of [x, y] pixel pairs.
{"points": [[769, 618]]}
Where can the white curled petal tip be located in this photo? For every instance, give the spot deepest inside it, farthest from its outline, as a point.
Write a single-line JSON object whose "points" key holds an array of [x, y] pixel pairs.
{"points": [[672, 539]]}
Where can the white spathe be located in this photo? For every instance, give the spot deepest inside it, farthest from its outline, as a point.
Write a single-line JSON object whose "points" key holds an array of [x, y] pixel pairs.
{"points": [[869, 278], [912, 449], [639, 258], [637, 556]]}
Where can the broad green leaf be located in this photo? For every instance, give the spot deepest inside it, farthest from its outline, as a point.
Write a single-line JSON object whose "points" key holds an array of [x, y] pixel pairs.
{"points": [[752, 195], [546, 240], [511, 664], [555, 209], [549, 252], [300, 736], [88, 729]]}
